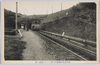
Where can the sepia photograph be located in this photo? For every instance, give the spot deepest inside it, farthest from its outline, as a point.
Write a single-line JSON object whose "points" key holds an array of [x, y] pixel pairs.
{"points": [[49, 31]]}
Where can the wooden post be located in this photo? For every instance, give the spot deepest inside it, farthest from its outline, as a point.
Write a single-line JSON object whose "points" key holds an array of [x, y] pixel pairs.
{"points": [[63, 33], [16, 14], [61, 6], [52, 9]]}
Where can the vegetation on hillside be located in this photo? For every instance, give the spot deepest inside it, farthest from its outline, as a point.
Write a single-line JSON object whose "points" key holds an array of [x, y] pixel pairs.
{"points": [[13, 48], [78, 21], [26, 19], [9, 19]]}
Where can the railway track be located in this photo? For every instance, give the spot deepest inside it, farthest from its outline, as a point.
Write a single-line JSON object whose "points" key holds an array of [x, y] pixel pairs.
{"points": [[73, 55], [77, 50]]}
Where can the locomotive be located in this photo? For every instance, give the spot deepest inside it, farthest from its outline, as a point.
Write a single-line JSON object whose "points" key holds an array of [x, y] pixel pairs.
{"points": [[35, 25]]}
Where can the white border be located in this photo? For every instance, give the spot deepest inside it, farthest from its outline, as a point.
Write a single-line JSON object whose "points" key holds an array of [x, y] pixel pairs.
{"points": [[45, 62]]}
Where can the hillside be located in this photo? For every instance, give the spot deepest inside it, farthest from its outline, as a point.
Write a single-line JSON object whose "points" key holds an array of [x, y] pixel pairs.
{"points": [[40, 17], [80, 21], [55, 16], [10, 19]]}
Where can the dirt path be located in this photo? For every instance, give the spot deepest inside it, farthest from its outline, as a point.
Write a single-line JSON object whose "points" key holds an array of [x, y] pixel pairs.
{"points": [[34, 47]]}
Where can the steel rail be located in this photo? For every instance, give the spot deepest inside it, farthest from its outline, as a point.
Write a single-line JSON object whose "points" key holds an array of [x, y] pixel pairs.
{"points": [[82, 58], [70, 45], [86, 42]]}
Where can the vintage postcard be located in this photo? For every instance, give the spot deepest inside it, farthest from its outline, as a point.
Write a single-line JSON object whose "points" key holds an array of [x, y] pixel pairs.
{"points": [[41, 32]]}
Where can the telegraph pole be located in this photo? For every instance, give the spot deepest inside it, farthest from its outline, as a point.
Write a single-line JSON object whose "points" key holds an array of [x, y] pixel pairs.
{"points": [[16, 14], [61, 6], [52, 9], [47, 12]]}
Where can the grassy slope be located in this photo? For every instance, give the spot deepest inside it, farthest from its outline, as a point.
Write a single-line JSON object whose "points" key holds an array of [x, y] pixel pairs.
{"points": [[13, 48], [55, 16], [79, 22], [13, 45]]}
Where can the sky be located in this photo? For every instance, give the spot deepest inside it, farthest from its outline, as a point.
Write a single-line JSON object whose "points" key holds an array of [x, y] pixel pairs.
{"points": [[38, 7]]}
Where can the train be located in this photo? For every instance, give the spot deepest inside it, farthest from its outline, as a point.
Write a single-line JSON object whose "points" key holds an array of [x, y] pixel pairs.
{"points": [[35, 25]]}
